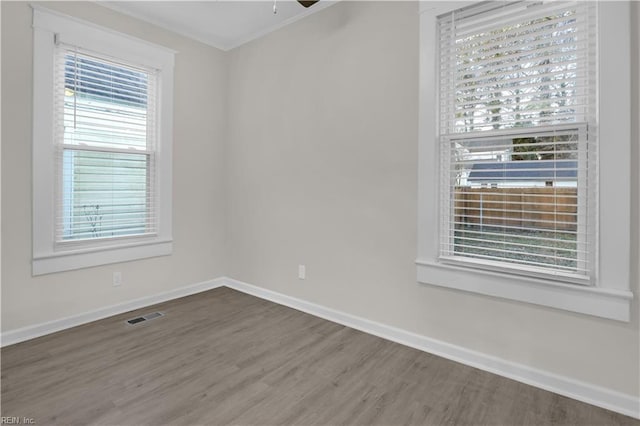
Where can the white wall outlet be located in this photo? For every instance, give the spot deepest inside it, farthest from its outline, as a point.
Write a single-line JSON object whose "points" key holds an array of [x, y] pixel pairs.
{"points": [[302, 272], [117, 279]]}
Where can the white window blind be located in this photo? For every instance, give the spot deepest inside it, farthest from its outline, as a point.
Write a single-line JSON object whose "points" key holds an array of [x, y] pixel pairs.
{"points": [[517, 109], [104, 121]]}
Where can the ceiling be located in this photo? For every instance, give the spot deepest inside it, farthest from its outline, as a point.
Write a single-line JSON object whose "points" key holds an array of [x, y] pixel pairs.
{"points": [[222, 24]]}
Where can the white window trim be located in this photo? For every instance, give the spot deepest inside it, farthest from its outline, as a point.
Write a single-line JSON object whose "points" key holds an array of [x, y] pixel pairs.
{"points": [[47, 257], [610, 297]]}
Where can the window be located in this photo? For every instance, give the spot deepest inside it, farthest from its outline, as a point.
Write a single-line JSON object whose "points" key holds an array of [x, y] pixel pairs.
{"points": [[518, 151], [102, 146], [518, 158], [103, 112]]}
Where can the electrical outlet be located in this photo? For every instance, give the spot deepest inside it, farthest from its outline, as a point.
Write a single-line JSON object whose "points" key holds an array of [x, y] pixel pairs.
{"points": [[302, 272], [117, 279]]}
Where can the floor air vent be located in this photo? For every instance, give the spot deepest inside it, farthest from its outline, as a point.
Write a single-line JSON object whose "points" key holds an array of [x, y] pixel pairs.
{"points": [[143, 318]]}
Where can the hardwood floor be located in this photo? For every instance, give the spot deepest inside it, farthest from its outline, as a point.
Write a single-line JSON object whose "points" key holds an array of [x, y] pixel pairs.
{"points": [[223, 357]]}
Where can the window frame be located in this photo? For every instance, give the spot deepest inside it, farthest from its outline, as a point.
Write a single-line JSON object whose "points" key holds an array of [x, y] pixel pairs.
{"points": [[49, 256], [610, 295]]}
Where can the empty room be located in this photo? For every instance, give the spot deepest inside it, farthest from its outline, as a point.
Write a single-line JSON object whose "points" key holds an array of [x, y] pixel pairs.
{"points": [[320, 213]]}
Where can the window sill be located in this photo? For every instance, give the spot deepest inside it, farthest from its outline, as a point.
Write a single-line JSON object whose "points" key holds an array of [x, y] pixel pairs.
{"points": [[78, 259], [605, 303]]}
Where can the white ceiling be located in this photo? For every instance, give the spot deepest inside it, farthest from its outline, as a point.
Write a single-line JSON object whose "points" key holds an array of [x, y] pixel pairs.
{"points": [[222, 24]]}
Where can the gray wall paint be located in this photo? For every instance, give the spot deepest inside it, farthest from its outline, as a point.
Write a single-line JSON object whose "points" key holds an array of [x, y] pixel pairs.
{"points": [[322, 160], [198, 218]]}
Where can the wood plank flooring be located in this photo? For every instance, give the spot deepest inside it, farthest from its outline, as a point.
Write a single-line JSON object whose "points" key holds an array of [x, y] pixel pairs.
{"points": [[223, 357]]}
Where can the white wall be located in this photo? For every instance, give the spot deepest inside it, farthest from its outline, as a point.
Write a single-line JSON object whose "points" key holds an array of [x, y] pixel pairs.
{"points": [[198, 213], [322, 169]]}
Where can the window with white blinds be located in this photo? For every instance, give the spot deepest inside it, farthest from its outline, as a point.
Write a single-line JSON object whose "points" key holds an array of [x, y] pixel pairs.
{"points": [[517, 114], [102, 145], [104, 118]]}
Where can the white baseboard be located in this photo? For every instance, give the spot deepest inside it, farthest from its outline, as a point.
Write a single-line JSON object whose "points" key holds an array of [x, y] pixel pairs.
{"points": [[581, 391], [31, 332], [591, 394]]}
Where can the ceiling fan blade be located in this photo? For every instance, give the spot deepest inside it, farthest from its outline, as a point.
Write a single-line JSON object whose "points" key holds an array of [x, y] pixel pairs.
{"points": [[307, 3]]}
